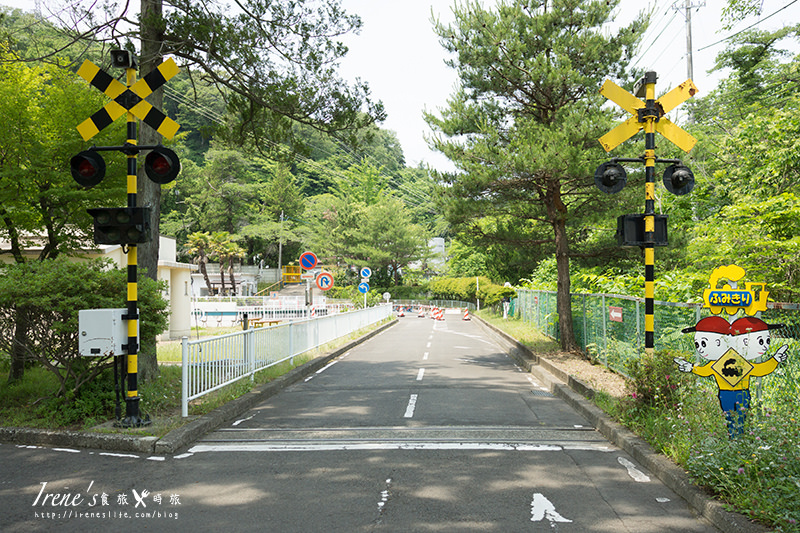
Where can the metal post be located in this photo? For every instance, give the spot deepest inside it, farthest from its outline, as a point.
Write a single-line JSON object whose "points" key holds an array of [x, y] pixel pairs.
{"points": [[649, 211], [132, 417], [184, 377]]}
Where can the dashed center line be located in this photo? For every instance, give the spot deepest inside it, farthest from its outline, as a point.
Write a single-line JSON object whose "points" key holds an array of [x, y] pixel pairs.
{"points": [[425, 356], [420, 374], [412, 404]]}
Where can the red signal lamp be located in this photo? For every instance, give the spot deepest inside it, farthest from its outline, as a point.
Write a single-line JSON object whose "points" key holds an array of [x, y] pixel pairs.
{"points": [[162, 165], [88, 168]]}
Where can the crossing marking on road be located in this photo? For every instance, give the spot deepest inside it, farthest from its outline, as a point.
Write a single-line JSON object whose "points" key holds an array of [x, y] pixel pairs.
{"points": [[391, 445]]}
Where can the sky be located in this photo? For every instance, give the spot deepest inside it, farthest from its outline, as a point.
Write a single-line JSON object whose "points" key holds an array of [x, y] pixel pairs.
{"points": [[399, 56]]}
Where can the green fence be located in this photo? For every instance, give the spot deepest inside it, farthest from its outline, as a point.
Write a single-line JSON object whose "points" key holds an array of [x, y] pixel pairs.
{"points": [[610, 327]]}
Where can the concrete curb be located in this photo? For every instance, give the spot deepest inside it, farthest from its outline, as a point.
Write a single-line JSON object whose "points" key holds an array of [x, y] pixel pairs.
{"points": [[183, 436], [577, 393]]}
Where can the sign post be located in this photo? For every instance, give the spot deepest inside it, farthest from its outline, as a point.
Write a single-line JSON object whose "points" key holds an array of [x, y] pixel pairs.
{"points": [[308, 260], [363, 287]]}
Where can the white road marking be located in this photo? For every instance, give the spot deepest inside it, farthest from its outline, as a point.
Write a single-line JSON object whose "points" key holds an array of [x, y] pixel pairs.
{"points": [[634, 472], [70, 450], [243, 420], [156, 458], [119, 455], [428, 345], [326, 367], [388, 445], [412, 404], [420, 374], [663, 500], [542, 508], [425, 356], [183, 456], [384, 495]]}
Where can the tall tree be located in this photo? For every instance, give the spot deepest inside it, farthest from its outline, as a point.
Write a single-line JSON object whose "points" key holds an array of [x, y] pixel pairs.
{"points": [[274, 61], [199, 248], [523, 126], [389, 240]]}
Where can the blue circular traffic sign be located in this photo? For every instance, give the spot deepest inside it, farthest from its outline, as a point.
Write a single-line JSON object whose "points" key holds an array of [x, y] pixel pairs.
{"points": [[363, 287], [308, 260], [366, 272]]}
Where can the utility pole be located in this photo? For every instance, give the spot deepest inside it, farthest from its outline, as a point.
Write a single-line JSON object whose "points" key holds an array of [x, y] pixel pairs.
{"points": [[687, 9], [689, 63], [280, 252]]}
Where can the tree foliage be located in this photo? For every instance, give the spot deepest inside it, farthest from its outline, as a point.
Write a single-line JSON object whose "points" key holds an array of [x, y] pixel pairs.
{"points": [[45, 296], [524, 123]]}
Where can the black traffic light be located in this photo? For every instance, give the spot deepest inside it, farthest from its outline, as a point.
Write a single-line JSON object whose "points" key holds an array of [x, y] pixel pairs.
{"points": [[88, 168], [610, 177], [678, 179], [630, 230], [121, 225], [162, 165]]}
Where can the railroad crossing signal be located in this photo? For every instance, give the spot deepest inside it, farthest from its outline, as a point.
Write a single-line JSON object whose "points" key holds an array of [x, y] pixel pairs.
{"points": [[88, 168], [129, 225], [641, 113], [649, 229], [124, 99]]}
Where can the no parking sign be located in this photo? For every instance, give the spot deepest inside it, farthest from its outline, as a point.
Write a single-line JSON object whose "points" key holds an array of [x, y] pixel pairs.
{"points": [[308, 260]]}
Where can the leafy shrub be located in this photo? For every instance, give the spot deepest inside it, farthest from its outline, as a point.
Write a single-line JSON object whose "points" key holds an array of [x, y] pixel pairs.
{"points": [[655, 380], [465, 289], [39, 304]]}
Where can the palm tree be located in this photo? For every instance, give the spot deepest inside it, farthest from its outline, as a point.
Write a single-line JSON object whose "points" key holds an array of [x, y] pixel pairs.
{"points": [[219, 242], [199, 246], [231, 252]]}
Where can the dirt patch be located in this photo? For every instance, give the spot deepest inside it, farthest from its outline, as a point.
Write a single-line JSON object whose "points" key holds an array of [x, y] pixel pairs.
{"points": [[596, 376]]}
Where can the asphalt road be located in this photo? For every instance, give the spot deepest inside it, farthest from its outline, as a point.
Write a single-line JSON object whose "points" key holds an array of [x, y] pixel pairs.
{"points": [[428, 426]]}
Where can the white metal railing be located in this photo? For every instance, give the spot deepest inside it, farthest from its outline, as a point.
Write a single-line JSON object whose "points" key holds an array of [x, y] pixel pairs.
{"points": [[212, 363]]}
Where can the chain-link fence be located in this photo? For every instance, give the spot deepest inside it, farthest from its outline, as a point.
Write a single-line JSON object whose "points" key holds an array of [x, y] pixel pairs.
{"points": [[610, 327]]}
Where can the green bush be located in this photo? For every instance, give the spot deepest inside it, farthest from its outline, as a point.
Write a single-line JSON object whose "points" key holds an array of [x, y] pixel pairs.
{"points": [[655, 380], [465, 289], [39, 304]]}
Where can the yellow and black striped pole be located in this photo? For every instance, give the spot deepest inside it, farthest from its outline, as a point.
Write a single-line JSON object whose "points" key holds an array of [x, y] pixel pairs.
{"points": [[132, 417], [649, 212]]}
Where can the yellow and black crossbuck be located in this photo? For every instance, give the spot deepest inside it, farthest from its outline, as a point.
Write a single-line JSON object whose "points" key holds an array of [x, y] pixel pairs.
{"points": [[124, 99]]}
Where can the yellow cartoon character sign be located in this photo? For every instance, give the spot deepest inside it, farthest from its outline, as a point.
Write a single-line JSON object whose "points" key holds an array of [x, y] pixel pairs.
{"points": [[731, 349]]}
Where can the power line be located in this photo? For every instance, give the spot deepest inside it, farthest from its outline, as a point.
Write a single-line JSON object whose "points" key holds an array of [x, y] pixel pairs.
{"points": [[750, 26]]}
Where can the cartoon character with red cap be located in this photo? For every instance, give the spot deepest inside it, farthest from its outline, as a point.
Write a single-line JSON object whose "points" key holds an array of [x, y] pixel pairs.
{"points": [[730, 348]]}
